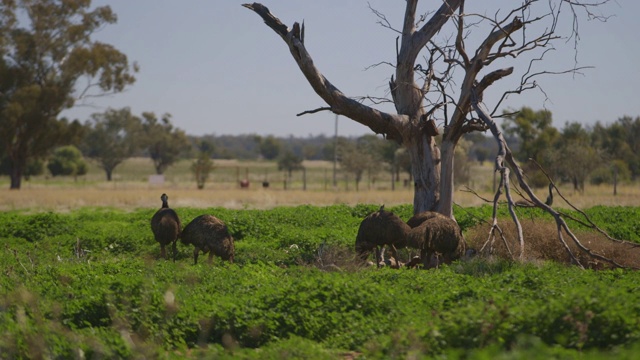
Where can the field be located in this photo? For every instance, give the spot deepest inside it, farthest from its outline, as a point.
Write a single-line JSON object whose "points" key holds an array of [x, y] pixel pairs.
{"points": [[131, 189], [82, 278]]}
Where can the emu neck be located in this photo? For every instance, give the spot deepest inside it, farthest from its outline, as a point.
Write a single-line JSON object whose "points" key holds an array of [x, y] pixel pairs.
{"points": [[165, 204]]}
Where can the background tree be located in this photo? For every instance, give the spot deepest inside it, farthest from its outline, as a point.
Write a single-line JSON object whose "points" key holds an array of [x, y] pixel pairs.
{"points": [[356, 161], [576, 158], [528, 126], [164, 143], [611, 172], [461, 164], [620, 141], [363, 156], [455, 72], [35, 167], [289, 162], [203, 165], [67, 160], [481, 154], [112, 137], [270, 147], [535, 139], [46, 49]]}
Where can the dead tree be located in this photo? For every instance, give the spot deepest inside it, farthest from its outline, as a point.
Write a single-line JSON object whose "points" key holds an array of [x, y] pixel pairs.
{"points": [[434, 98], [505, 164]]}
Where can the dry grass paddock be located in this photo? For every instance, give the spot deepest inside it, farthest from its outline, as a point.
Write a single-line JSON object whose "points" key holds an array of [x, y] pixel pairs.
{"points": [[541, 242], [131, 189], [138, 195]]}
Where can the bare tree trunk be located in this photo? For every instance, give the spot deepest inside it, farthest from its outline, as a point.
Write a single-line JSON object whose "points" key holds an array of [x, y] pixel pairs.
{"points": [[16, 177], [425, 168], [445, 206]]}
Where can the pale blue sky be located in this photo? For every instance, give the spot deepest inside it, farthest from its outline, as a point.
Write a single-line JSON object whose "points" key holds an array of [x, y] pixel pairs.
{"points": [[217, 68]]}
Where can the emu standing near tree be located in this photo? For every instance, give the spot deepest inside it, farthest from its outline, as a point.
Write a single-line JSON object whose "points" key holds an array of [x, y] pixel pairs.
{"points": [[209, 234], [418, 219], [378, 229], [166, 227], [437, 235]]}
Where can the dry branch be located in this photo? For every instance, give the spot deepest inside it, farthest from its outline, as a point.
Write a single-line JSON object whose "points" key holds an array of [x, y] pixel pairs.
{"points": [[378, 121], [504, 154]]}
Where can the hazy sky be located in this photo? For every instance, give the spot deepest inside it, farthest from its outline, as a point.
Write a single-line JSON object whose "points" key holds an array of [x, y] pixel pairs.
{"points": [[218, 69]]}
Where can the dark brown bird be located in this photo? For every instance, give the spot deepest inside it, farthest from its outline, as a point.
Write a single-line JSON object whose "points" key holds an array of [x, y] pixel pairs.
{"points": [[166, 227], [436, 237], [209, 234], [378, 229], [419, 218]]}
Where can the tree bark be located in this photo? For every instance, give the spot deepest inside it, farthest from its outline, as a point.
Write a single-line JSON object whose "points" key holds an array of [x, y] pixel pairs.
{"points": [[406, 127], [16, 177], [445, 206], [425, 166]]}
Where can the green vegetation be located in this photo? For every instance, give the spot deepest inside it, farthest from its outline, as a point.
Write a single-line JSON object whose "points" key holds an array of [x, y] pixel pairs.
{"points": [[49, 60], [90, 283]]}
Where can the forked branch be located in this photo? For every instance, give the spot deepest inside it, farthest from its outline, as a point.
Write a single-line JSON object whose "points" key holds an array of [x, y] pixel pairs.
{"points": [[504, 161], [378, 121]]}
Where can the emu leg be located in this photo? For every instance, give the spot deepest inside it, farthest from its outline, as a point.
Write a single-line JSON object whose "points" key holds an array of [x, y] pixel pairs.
{"points": [[210, 257], [195, 255], [394, 253], [426, 258], [162, 252], [377, 256], [174, 249]]}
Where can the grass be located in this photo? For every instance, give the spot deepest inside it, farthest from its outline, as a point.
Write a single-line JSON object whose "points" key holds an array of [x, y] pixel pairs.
{"points": [[541, 242], [131, 189]]}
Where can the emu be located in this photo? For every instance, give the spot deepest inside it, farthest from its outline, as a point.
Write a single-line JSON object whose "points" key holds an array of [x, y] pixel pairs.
{"points": [[209, 234], [435, 237], [378, 229], [419, 218], [166, 226]]}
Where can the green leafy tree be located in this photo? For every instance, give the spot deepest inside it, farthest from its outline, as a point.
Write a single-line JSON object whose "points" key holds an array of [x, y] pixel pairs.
{"points": [[289, 162], [482, 154], [575, 156], [67, 160], [462, 168], [112, 138], [311, 152], [362, 157], [620, 141], [48, 62], [537, 139], [163, 142], [270, 147], [532, 129], [203, 165], [611, 172], [34, 167]]}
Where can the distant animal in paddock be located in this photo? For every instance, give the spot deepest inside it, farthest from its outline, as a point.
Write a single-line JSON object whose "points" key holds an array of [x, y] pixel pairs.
{"points": [[438, 238], [209, 234], [166, 226], [265, 184], [378, 229], [244, 183]]}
